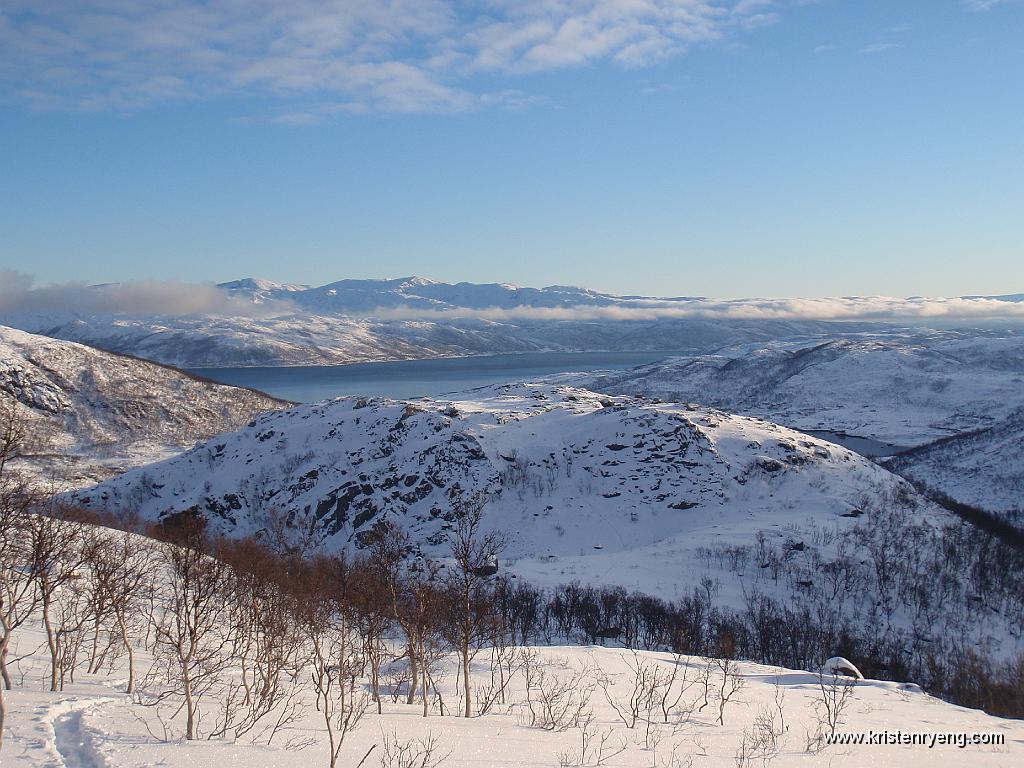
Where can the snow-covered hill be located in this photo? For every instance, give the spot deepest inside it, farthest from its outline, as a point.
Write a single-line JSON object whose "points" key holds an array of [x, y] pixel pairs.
{"points": [[983, 468], [618, 490], [558, 705], [905, 389], [91, 414], [321, 339]]}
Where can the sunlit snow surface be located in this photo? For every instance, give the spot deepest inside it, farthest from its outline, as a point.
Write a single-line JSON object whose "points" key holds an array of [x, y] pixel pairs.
{"points": [[92, 724]]}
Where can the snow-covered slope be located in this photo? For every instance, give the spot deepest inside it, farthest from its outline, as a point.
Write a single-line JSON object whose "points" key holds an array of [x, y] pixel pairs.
{"points": [[983, 468], [93, 724], [91, 414], [583, 483], [901, 389]]}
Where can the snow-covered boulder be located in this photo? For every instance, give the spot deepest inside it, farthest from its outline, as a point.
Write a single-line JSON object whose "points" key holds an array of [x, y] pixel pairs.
{"points": [[838, 666]]}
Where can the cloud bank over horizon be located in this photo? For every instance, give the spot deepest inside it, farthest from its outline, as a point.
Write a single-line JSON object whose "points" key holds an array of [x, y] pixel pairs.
{"points": [[19, 295]]}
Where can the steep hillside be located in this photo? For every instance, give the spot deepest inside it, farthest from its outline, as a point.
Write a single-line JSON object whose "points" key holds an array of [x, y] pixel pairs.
{"points": [[579, 480], [982, 468], [904, 389], [90, 414]]}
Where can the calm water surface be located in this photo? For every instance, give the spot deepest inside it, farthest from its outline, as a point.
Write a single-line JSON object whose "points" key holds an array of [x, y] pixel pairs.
{"points": [[420, 378]]}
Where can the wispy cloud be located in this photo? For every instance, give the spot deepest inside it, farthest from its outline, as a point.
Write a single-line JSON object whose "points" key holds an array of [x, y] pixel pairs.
{"points": [[342, 55], [981, 5], [879, 48]]}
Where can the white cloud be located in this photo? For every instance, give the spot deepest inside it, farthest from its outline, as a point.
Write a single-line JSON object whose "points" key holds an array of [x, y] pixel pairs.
{"points": [[981, 5], [864, 308], [386, 55], [879, 48]]}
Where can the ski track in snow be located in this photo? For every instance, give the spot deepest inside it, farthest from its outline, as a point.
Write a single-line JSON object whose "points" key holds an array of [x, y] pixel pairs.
{"points": [[72, 739]]}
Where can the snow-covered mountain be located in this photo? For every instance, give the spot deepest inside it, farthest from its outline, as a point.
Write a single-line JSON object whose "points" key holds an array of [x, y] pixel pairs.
{"points": [[583, 483], [900, 388], [91, 414], [604, 490], [349, 296], [251, 322]]}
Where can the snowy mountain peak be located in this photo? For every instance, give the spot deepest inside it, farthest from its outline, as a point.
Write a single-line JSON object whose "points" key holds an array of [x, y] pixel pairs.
{"points": [[259, 284]]}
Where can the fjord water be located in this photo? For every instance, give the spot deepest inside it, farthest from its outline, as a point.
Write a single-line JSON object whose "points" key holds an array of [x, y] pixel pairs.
{"points": [[419, 378]]}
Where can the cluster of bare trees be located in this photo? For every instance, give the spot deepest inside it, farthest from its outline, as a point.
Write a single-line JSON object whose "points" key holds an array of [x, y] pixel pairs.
{"points": [[910, 599], [239, 636]]}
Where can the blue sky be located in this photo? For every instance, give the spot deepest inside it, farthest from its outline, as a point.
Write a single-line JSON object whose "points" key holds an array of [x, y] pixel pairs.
{"points": [[733, 148]]}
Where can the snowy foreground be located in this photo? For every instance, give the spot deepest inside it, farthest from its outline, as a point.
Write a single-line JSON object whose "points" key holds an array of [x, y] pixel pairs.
{"points": [[92, 723]]}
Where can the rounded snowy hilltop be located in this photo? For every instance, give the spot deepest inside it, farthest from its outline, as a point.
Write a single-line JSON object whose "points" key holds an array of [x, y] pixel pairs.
{"points": [[620, 490]]}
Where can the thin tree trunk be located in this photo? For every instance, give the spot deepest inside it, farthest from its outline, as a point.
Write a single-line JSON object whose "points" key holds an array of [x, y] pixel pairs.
{"points": [[414, 679], [465, 677], [129, 650], [3, 716], [93, 663], [4, 673], [423, 670], [375, 679], [51, 641], [190, 722]]}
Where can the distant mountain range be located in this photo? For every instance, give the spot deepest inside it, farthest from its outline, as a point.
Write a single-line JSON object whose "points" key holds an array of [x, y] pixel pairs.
{"points": [[408, 318], [346, 296], [905, 388]]}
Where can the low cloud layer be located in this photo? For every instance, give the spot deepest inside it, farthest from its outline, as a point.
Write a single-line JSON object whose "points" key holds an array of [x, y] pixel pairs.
{"points": [[20, 295], [864, 308]]}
